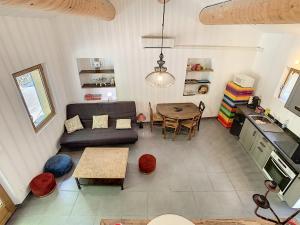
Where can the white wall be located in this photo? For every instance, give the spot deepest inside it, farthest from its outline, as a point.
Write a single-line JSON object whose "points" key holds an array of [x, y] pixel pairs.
{"points": [[120, 40], [25, 42], [280, 52]]}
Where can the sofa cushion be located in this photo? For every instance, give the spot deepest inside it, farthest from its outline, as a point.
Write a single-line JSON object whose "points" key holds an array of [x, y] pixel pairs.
{"points": [[89, 137], [123, 124], [73, 124], [100, 121]]}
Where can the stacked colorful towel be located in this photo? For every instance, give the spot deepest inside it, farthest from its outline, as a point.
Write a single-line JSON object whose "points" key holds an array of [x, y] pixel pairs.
{"points": [[233, 95]]}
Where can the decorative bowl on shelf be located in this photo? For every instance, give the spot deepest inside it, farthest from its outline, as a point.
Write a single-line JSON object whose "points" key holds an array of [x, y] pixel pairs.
{"points": [[203, 89]]}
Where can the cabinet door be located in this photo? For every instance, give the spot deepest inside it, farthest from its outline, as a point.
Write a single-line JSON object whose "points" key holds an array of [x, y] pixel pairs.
{"points": [[292, 195], [248, 135], [261, 150], [6, 207]]}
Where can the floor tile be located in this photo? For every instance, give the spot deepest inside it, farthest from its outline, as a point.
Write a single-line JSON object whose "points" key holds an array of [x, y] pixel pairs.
{"points": [[200, 182], [219, 205], [159, 203], [50, 220], [184, 204], [86, 206], [134, 204], [110, 206], [220, 182], [81, 220], [24, 220], [250, 181]]}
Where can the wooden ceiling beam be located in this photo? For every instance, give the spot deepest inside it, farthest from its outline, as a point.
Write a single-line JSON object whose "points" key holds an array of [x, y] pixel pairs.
{"points": [[252, 12], [102, 9]]}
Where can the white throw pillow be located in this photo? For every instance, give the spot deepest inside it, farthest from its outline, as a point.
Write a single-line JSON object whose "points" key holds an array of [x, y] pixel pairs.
{"points": [[123, 124], [73, 124], [100, 121]]}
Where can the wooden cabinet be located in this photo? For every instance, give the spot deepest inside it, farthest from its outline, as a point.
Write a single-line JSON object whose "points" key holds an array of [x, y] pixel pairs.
{"points": [[248, 135], [6, 206]]}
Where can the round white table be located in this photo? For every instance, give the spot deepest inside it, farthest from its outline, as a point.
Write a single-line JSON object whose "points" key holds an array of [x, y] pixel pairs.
{"points": [[170, 219]]}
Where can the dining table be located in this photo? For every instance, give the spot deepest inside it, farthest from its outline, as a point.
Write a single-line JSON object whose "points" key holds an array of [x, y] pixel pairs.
{"points": [[180, 111]]}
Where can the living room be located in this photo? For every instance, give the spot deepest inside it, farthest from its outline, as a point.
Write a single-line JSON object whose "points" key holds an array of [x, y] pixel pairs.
{"points": [[204, 173]]}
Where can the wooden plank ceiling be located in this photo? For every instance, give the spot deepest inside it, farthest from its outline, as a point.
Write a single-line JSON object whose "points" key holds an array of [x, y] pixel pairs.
{"points": [[252, 12], [102, 9]]}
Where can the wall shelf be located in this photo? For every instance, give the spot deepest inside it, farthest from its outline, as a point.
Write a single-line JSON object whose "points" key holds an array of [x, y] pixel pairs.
{"points": [[97, 86], [200, 71], [197, 82], [96, 71]]}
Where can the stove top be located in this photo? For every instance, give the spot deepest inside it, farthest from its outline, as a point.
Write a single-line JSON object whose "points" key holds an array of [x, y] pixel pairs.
{"points": [[291, 149]]}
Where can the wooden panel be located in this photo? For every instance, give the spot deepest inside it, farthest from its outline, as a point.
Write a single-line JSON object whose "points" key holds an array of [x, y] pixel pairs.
{"points": [[6, 207], [252, 12], [97, 8]]}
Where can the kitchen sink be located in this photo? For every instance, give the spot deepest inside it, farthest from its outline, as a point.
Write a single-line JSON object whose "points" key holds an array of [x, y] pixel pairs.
{"points": [[261, 120], [265, 123]]}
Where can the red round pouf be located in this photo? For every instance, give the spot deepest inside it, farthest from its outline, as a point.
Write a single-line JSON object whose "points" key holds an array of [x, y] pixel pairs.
{"points": [[147, 163], [42, 184]]}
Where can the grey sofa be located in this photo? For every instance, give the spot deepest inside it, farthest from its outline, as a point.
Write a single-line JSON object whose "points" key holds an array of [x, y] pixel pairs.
{"points": [[89, 137]]}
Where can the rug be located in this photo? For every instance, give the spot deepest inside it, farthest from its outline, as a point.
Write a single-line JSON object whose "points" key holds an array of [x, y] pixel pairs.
{"points": [[196, 222]]}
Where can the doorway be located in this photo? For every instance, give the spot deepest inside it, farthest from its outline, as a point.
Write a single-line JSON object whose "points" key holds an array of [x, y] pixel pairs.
{"points": [[7, 207]]}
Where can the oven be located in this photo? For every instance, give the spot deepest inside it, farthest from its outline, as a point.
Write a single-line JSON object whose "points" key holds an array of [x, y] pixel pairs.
{"points": [[277, 170]]}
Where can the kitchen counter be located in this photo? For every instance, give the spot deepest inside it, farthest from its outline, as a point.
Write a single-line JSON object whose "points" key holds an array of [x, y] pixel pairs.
{"points": [[272, 137]]}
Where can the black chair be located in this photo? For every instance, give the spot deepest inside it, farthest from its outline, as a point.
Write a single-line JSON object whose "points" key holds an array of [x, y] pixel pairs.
{"points": [[201, 109]]}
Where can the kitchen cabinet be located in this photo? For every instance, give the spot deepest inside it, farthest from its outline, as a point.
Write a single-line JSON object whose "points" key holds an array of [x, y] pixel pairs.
{"points": [[293, 102], [255, 144], [248, 135], [261, 150], [6, 207], [292, 195]]}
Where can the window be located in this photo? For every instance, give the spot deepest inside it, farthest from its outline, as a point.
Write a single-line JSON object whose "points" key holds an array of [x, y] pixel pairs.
{"points": [[288, 84], [35, 95]]}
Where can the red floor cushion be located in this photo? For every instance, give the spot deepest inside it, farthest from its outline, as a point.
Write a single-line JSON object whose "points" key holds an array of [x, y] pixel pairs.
{"points": [[147, 163], [42, 184]]}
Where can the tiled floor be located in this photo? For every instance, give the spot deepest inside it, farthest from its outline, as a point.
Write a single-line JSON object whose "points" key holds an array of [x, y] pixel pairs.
{"points": [[208, 177]]}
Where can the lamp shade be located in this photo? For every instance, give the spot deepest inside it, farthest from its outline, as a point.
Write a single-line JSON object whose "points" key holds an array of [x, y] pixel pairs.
{"points": [[160, 78], [141, 117]]}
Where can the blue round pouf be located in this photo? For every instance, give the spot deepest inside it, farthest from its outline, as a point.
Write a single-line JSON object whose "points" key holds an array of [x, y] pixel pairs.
{"points": [[59, 165]]}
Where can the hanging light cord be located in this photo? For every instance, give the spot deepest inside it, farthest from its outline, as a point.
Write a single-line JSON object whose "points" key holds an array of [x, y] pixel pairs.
{"points": [[163, 26]]}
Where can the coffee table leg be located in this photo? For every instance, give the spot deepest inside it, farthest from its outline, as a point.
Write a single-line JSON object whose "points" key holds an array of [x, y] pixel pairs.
{"points": [[78, 184], [122, 184]]}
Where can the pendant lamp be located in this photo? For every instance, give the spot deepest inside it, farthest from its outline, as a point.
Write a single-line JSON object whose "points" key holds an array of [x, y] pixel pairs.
{"points": [[160, 77]]}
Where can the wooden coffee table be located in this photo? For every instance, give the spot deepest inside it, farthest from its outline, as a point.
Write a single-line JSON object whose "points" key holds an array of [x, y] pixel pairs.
{"points": [[103, 164]]}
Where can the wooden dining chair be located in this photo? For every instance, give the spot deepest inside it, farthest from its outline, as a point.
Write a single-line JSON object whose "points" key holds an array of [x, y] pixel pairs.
{"points": [[155, 118], [170, 123], [191, 125], [201, 110]]}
